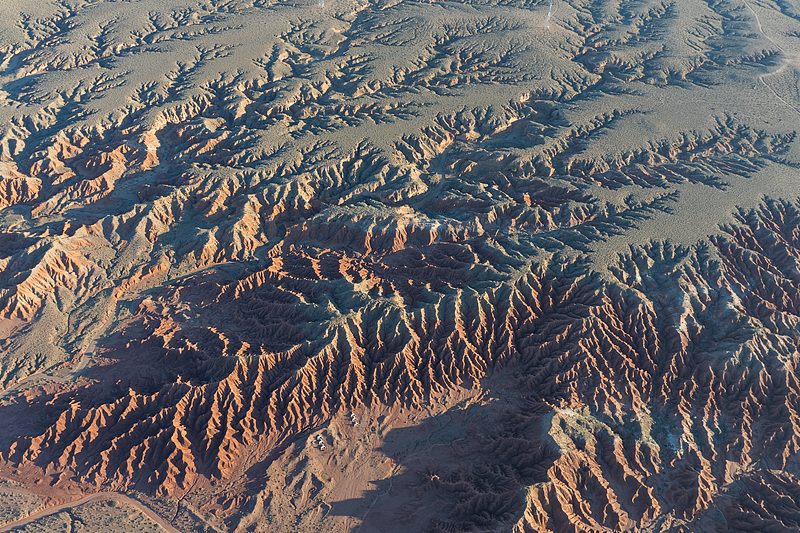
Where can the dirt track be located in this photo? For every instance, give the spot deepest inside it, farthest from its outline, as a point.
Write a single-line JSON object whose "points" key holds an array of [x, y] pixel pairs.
{"points": [[787, 60], [88, 499]]}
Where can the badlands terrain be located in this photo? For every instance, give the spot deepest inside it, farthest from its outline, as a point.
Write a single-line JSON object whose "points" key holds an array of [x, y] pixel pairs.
{"points": [[399, 265]]}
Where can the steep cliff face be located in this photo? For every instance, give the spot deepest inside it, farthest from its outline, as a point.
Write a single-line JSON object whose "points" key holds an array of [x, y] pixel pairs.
{"points": [[257, 257]]}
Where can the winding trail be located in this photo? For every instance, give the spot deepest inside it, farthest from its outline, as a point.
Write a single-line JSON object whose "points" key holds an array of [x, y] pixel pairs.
{"points": [[100, 496], [378, 497], [785, 63], [551, 11]]}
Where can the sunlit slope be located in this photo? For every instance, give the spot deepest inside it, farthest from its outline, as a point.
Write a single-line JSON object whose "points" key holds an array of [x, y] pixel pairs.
{"points": [[265, 216]]}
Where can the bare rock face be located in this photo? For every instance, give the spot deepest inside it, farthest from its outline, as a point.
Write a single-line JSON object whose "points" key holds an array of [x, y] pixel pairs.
{"points": [[398, 266]]}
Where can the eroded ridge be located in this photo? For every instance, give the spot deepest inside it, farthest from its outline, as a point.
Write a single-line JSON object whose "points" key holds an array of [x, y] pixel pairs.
{"points": [[629, 373], [228, 226]]}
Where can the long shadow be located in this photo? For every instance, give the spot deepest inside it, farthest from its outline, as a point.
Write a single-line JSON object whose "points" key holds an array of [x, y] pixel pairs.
{"points": [[463, 470]]}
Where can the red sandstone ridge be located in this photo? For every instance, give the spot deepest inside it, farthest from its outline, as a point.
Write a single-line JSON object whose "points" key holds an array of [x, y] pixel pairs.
{"points": [[399, 266], [16, 188], [607, 361]]}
